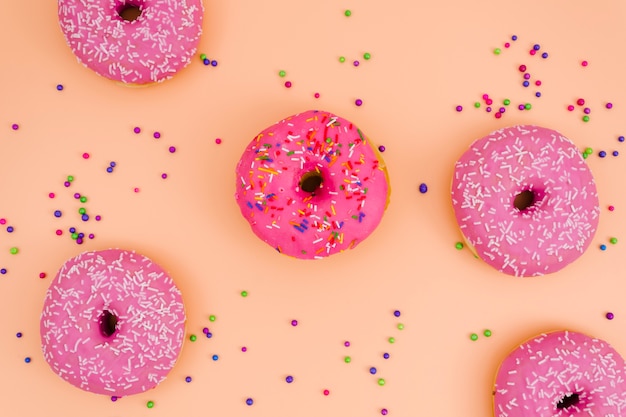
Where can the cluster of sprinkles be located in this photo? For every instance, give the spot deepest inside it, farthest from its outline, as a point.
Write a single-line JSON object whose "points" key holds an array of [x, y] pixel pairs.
{"points": [[208, 62], [474, 336], [75, 234], [13, 250], [498, 107]]}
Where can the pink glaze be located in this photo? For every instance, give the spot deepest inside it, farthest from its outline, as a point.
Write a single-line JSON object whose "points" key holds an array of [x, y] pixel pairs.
{"points": [[544, 237], [561, 374], [151, 48], [142, 347], [337, 215]]}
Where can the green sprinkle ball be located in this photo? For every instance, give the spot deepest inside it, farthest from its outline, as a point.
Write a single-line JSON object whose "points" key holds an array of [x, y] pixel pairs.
{"points": [[83, 199], [14, 250], [82, 210], [474, 336], [281, 73], [477, 104], [150, 404], [367, 55], [585, 118], [458, 245], [342, 59], [528, 106], [400, 326], [392, 340], [202, 57], [70, 178], [212, 317], [193, 337], [497, 51], [506, 102], [348, 13], [244, 293], [381, 382], [487, 333], [613, 240], [589, 150], [74, 235], [347, 359]]}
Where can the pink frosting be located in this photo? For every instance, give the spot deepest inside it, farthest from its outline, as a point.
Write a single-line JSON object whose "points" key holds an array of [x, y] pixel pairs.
{"points": [[151, 48], [547, 235], [338, 214], [561, 374], [137, 352]]}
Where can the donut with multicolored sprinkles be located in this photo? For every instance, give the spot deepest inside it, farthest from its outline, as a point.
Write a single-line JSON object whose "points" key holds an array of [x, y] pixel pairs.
{"points": [[135, 42], [525, 200], [312, 185], [561, 374], [113, 323]]}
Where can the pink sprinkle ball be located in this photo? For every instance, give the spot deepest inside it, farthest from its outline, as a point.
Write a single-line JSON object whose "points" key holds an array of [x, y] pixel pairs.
{"points": [[164, 175], [137, 130], [326, 392], [584, 63], [42, 275], [59, 232], [218, 141], [580, 101], [51, 195], [346, 343], [288, 84], [15, 126], [358, 102], [136, 189], [316, 95], [538, 83], [532, 52], [570, 108], [611, 208], [172, 149], [522, 68], [294, 322], [488, 101], [156, 135], [86, 155], [506, 45], [3, 221], [244, 349], [384, 412]]}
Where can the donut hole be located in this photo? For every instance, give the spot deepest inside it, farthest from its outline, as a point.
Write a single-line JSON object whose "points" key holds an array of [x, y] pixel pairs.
{"points": [[568, 401], [524, 200], [129, 12], [311, 182], [108, 323]]}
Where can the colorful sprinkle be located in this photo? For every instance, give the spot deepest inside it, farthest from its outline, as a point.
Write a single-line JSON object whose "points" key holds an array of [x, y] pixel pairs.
{"points": [[610, 316], [249, 401], [289, 379], [474, 336], [150, 404]]}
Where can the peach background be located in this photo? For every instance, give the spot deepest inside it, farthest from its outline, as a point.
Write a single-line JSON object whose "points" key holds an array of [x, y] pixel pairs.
{"points": [[426, 59]]}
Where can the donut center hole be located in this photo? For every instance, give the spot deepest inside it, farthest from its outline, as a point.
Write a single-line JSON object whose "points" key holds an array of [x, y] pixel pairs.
{"points": [[568, 401], [311, 182], [129, 12], [108, 323], [524, 200]]}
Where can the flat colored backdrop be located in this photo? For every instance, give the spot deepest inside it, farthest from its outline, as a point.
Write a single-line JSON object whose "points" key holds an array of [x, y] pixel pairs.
{"points": [[426, 59]]}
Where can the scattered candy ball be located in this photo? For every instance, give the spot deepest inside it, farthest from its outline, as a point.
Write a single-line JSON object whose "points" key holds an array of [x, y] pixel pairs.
{"points": [[289, 379], [610, 316], [474, 336], [249, 401]]}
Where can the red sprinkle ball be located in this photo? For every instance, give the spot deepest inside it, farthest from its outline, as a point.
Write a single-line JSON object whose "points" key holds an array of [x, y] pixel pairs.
{"points": [[218, 141], [584, 63], [288, 84], [326, 392]]}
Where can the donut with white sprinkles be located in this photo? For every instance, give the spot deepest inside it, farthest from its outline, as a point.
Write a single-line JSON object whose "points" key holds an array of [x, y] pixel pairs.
{"points": [[113, 323], [561, 374], [135, 42], [312, 185], [525, 200]]}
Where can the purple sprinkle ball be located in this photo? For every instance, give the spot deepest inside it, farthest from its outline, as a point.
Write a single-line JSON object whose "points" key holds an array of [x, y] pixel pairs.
{"points": [[137, 130], [156, 135], [358, 102], [609, 105], [15, 126], [610, 316], [459, 108], [294, 322]]}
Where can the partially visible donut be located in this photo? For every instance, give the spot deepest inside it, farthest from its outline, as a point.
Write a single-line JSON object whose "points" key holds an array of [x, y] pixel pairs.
{"points": [[561, 374], [525, 200], [312, 185], [112, 323], [132, 41]]}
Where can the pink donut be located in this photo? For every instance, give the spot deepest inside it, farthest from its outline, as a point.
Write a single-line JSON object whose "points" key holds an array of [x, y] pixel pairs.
{"points": [[312, 185], [113, 323], [561, 374], [132, 41], [525, 200]]}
